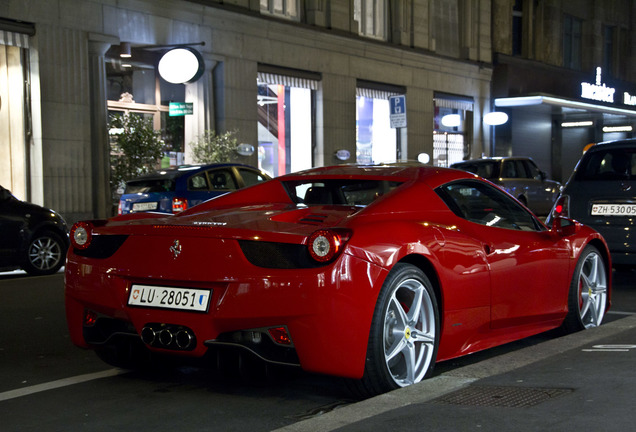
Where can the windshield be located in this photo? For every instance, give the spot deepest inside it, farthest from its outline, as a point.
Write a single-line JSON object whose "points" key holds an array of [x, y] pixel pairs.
{"points": [[611, 164], [357, 192]]}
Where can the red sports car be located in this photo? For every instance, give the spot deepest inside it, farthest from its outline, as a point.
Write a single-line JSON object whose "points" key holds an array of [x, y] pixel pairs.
{"points": [[368, 272]]}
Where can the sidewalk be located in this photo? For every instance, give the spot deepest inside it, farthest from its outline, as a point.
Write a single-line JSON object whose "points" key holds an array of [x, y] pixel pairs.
{"points": [[584, 381]]}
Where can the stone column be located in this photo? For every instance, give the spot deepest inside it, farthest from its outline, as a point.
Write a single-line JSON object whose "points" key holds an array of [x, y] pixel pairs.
{"points": [[100, 147]]}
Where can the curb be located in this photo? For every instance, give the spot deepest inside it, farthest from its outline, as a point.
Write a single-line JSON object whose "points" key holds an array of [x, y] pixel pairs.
{"points": [[455, 379]]}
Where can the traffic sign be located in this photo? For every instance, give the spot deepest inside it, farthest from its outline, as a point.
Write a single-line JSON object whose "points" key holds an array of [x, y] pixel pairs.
{"points": [[397, 111]]}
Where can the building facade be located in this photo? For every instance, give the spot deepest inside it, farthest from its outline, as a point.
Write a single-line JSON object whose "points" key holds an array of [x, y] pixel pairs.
{"points": [[565, 73], [305, 83]]}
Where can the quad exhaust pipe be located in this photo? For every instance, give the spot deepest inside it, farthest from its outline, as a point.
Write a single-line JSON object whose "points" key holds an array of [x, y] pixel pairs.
{"points": [[168, 336]]}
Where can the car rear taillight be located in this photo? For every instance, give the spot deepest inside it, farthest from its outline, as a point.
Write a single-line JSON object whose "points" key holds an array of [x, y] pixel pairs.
{"points": [[326, 244], [561, 207], [81, 235], [179, 204]]}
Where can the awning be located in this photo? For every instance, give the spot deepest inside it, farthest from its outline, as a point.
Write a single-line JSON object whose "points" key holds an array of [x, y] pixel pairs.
{"points": [[20, 40], [287, 80]]}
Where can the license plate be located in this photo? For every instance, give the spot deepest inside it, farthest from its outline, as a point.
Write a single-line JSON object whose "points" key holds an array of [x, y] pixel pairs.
{"points": [[614, 210], [188, 299], [145, 206]]}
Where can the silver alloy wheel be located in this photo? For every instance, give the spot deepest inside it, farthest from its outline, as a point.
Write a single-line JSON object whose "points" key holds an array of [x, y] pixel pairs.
{"points": [[409, 333], [592, 297], [45, 253]]}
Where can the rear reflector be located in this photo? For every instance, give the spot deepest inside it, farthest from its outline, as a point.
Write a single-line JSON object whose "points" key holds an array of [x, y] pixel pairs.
{"points": [[90, 318], [280, 335]]}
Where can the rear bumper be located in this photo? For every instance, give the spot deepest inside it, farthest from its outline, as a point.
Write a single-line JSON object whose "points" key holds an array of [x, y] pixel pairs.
{"points": [[328, 317]]}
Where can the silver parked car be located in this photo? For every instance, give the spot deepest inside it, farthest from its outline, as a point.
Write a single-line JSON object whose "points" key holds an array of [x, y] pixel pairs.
{"points": [[601, 193], [520, 177]]}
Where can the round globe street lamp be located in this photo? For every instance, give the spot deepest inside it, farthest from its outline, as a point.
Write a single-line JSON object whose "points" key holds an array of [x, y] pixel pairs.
{"points": [[181, 65], [495, 118]]}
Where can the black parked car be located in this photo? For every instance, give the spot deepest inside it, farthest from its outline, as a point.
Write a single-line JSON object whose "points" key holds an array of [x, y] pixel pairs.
{"points": [[33, 238], [601, 193]]}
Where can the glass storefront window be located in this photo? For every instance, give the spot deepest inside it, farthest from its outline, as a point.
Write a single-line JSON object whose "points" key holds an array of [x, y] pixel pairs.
{"points": [[448, 148], [133, 86], [285, 124], [376, 141], [453, 123], [14, 148]]}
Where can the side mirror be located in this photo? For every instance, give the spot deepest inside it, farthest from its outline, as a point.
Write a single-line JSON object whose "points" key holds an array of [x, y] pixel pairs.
{"points": [[565, 227]]}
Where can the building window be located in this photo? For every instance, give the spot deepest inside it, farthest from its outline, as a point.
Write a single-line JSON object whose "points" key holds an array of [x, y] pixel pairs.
{"points": [[376, 141], [572, 29], [608, 50], [446, 29], [285, 107], [517, 28], [453, 125], [371, 18], [281, 8]]}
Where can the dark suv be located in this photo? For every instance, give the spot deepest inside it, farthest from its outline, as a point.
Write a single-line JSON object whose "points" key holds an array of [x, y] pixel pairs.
{"points": [[176, 189], [520, 177], [601, 193], [33, 238]]}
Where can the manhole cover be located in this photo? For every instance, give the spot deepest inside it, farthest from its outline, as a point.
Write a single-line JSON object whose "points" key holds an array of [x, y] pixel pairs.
{"points": [[514, 397]]}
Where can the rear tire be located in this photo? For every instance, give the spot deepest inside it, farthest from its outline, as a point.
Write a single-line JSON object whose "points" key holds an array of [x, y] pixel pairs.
{"points": [[404, 335], [587, 299]]}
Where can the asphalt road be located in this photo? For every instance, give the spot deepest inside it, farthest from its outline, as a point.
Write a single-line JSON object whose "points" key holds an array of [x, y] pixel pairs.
{"points": [[48, 384]]}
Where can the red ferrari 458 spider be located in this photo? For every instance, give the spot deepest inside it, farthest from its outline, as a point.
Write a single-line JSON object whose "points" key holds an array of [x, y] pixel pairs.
{"points": [[368, 272]]}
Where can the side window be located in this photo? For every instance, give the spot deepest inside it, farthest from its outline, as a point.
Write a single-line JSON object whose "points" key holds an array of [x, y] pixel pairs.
{"points": [[198, 182], [509, 170], [251, 177], [485, 170], [485, 205], [533, 170], [221, 179], [521, 168]]}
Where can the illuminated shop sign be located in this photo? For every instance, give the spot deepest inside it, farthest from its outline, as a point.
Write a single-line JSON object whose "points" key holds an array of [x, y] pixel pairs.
{"points": [[180, 109], [598, 91], [629, 99]]}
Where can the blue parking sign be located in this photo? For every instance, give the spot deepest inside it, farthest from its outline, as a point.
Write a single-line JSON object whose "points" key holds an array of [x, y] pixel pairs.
{"points": [[397, 111]]}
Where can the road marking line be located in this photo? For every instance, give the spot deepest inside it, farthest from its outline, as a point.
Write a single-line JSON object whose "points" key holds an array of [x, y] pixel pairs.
{"points": [[604, 350], [12, 394]]}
